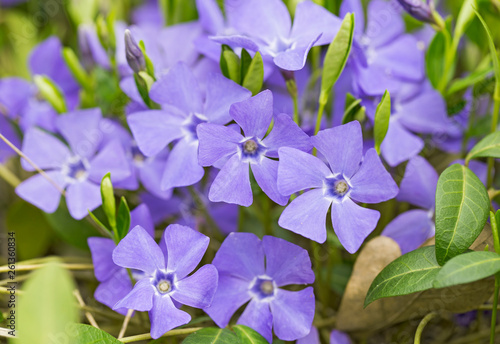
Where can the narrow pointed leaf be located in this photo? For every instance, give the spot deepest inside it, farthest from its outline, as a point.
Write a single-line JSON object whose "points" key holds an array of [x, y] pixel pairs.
{"points": [[462, 208], [246, 60], [254, 77], [468, 267], [212, 335], [246, 335], [382, 117], [336, 57], [464, 19], [123, 219], [487, 147], [410, 273], [434, 59]]}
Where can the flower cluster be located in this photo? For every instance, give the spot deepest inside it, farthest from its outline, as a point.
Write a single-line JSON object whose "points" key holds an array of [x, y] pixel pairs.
{"points": [[208, 128]]}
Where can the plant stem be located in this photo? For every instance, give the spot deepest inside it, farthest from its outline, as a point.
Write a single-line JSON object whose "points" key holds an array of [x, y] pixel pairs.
{"points": [[88, 315], [422, 325], [495, 309], [147, 336], [125, 323], [8, 176], [5, 268], [319, 118], [494, 124]]}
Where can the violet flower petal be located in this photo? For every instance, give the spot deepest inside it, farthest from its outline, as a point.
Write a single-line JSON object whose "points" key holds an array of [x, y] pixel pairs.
{"points": [[82, 197], [182, 167], [140, 298], [286, 133], [347, 216], [40, 192], [185, 249], [342, 146], [293, 313], [138, 250], [419, 183], [287, 263], [306, 215], [232, 184], [102, 257], [197, 290], [254, 114], [257, 316], [266, 175], [45, 150], [216, 142], [111, 159], [399, 144], [142, 216], [299, 171], [164, 316], [113, 290]]}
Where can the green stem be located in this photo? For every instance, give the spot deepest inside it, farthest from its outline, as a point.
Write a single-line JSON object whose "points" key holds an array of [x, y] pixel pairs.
{"points": [[494, 310], [147, 336], [319, 118], [494, 124], [422, 325], [296, 117], [8, 176]]}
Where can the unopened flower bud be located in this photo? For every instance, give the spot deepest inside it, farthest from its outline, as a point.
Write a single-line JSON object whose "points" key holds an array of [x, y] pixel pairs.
{"points": [[419, 9], [133, 52]]}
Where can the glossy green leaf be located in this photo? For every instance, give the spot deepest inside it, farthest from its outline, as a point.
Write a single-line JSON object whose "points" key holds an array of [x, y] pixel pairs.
{"points": [[123, 219], [410, 273], [86, 334], [434, 59], [47, 307], [212, 335], [74, 232], [464, 19], [487, 147], [382, 117], [33, 233], [462, 208], [50, 92], [468, 267], [246, 60], [336, 57], [246, 335], [230, 64], [254, 77], [108, 200]]}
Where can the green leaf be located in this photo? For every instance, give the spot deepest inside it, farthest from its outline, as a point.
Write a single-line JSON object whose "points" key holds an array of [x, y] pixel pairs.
{"points": [[76, 68], [468, 267], [108, 200], [50, 92], [47, 307], [70, 230], [336, 57], [382, 117], [246, 60], [212, 335], [410, 273], [246, 335], [464, 19], [462, 208], [230, 64], [487, 147], [494, 55], [254, 77], [82, 11], [123, 219], [471, 79], [149, 64], [86, 334], [33, 233], [434, 59]]}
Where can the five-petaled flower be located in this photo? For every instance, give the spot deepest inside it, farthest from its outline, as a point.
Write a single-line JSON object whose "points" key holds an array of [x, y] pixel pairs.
{"points": [[254, 270], [339, 186], [219, 144], [166, 268]]}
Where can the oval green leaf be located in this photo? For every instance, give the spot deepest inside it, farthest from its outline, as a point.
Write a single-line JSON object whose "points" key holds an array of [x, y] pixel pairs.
{"points": [[462, 208], [410, 273], [487, 147], [246, 335], [212, 335], [47, 307], [253, 79], [468, 267], [336, 57], [382, 117], [434, 59], [86, 334]]}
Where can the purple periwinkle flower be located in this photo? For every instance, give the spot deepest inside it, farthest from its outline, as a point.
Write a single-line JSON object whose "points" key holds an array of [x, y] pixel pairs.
{"points": [[266, 26], [419, 9], [252, 150], [349, 178], [254, 270], [114, 280], [185, 107], [78, 168], [418, 187], [7, 130], [166, 268]]}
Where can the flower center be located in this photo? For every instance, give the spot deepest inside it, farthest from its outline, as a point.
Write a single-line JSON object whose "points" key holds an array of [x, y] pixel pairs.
{"points": [[267, 287], [164, 286], [250, 147], [76, 169], [341, 187]]}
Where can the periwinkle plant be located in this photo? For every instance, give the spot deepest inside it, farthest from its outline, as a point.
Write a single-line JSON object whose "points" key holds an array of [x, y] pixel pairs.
{"points": [[184, 145]]}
